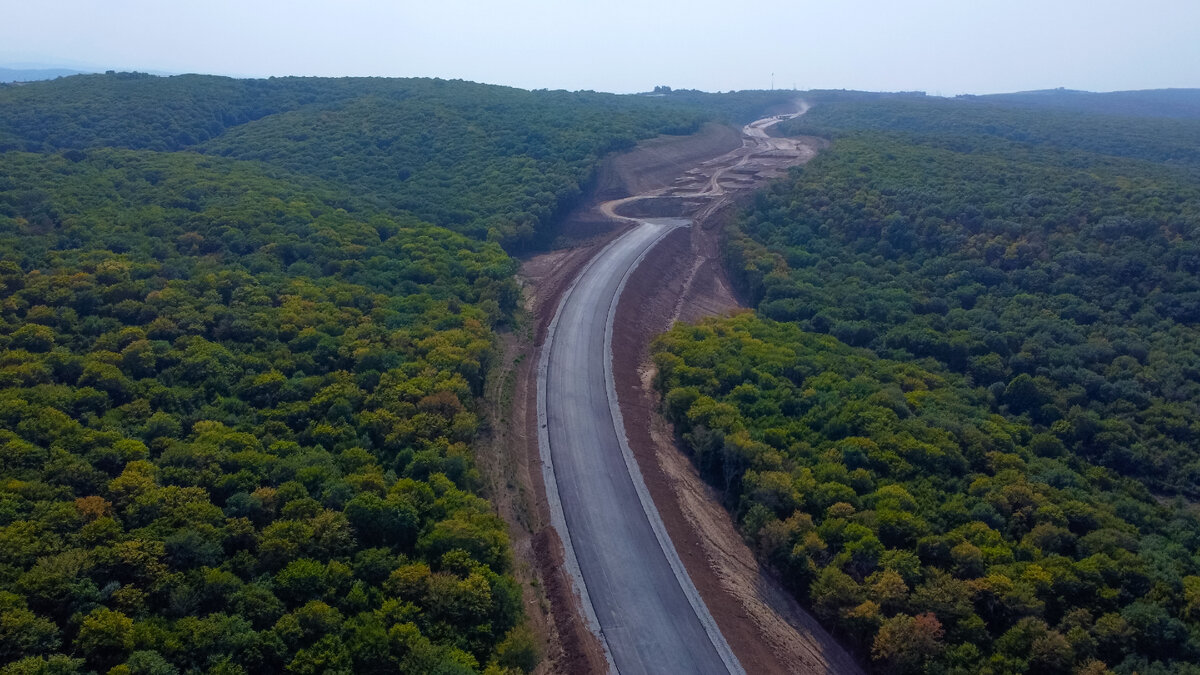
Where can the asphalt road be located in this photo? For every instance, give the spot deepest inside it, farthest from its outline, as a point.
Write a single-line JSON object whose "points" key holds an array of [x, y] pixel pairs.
{"points": [[635, 591]]}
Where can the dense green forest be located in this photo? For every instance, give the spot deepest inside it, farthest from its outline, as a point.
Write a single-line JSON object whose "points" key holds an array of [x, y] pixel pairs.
{"points": [[931, 532], [235, 425], [488, 161], [984, 124], [963, 422], [491, 162], [239, 365], [1171, 103], [1064, 283]]}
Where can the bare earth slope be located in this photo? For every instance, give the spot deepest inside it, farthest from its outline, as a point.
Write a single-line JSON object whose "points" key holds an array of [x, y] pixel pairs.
{"points": [[655, 163]]}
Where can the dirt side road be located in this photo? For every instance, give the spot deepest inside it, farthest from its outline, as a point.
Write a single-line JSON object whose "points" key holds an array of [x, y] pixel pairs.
{"points": [[682, 279]]}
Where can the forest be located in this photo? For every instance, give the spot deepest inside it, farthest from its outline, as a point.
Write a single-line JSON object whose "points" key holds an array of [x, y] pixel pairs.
{"points": [[492, 162], [1142, 125], [236, 424], [961, 422], [244, 330], [246, 324]]}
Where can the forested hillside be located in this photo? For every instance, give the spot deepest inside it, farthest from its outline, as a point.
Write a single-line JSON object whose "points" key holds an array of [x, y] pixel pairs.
{"points": [[1173, 103], [963, 422], [139, 111], [491, 162], [1065, 283], [236, 424], [982, 125], [239, 366]]}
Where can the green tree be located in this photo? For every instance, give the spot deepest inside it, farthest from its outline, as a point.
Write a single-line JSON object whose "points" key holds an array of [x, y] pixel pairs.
{"points": [[905, 643], [105, 636]]}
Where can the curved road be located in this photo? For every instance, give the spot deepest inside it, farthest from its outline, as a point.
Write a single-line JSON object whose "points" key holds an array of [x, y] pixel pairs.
{"points": [[635, 593], [650, 618]]}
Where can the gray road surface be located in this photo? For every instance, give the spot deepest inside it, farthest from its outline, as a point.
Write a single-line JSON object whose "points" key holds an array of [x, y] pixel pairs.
{"points": [[635, 591]]}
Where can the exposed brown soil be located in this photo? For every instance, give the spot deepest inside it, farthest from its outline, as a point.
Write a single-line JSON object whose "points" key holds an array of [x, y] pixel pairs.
{"points": [[511, 464], [681, 279], [653, 165], [656, 163]]}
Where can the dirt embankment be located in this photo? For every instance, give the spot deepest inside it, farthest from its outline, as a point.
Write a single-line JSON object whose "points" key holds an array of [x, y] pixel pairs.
{"points": [[510, 462], [681, 279], [655, 163]]}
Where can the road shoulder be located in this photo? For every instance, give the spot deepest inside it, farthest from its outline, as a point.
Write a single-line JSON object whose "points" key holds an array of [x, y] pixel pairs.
{"points": [[766, 628]]}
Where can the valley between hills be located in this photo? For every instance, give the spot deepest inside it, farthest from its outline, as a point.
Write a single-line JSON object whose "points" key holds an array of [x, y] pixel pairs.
{"points": [[414, 375]]}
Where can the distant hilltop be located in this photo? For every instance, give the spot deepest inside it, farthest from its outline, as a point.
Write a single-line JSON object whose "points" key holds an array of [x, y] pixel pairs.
{"points": [[1169, 103], [35, 74]]}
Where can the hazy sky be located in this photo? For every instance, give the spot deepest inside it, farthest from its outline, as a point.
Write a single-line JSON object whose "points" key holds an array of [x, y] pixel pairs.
{"points": [[940, 46]]}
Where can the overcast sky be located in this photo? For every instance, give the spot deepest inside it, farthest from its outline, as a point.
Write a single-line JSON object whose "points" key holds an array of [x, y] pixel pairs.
{"points": [[939, 46]]}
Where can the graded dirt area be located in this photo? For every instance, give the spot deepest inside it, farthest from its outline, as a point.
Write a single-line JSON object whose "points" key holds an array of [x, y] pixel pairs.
{"points": [[681, 279], [656, 163]]}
